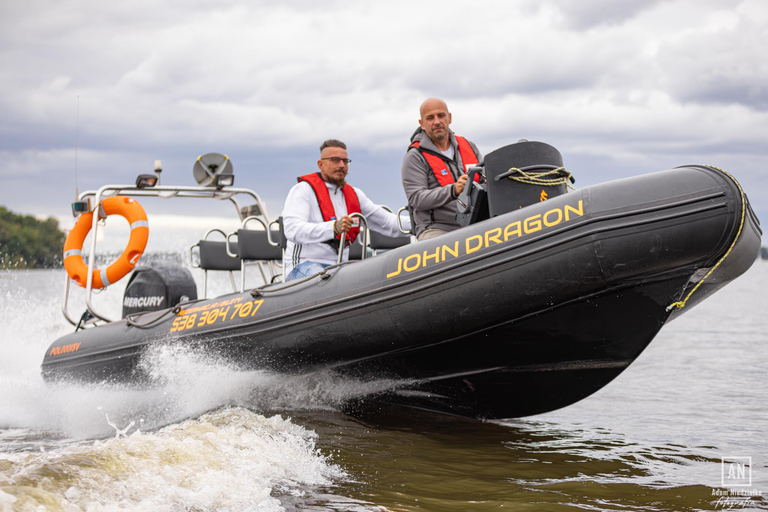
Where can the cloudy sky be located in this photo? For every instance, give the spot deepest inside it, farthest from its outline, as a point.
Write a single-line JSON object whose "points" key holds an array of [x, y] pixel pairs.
{"points": [[620, 88]]}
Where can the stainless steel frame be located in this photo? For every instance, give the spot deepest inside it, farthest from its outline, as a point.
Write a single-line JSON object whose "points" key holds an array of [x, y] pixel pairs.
{"points": [[163, 192]]}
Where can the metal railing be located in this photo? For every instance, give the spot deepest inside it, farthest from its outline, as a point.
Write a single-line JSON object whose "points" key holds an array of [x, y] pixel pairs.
{"points": [[163, 192]]}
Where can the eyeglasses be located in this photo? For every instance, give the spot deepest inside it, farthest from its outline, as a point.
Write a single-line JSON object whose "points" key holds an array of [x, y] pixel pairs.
{"points": [[336, 160]]}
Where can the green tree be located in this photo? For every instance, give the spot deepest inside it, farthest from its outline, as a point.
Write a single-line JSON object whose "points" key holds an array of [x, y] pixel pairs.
{"points": [[26, 242]]}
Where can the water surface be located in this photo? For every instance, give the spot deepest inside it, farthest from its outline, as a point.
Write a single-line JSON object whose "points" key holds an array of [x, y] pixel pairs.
{"points": [[212, 438]]}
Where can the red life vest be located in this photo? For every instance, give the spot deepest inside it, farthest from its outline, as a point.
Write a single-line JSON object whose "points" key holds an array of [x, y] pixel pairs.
{"points": [[440, 167], [320, 188]]}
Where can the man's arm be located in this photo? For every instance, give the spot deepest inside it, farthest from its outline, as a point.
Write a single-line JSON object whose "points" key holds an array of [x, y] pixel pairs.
{"points": [[379, 219], [302, 224]]}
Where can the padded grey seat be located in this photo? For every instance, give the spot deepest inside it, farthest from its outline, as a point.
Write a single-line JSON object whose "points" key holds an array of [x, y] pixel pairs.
{"points": [[213, 256], [255, 246]]}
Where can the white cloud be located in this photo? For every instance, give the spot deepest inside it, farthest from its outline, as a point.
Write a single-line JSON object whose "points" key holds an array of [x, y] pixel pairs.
{"points": [[627, 83]]}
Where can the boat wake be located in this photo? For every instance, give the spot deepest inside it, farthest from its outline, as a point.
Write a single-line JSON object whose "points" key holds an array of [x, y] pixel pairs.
{"points": [[204, 436], [229, 459], [185, 383]]}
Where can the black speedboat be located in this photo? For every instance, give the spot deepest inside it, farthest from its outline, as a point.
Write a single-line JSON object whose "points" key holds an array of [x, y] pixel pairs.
{"points": [[523, 311]]}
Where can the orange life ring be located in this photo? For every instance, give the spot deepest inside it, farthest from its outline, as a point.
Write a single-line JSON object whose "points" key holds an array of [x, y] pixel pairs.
{"points": [[76, 268]]}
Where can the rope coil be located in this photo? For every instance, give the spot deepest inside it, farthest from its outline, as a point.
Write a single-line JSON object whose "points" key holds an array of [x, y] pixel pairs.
{"points": [[542, 178]]}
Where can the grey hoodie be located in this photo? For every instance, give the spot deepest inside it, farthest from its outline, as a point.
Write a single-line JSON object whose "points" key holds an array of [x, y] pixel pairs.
{"points": [[434, 206]]}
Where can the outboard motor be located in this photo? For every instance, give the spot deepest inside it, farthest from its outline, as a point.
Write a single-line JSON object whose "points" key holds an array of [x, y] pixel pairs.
{"points": [[161, 286], [517, 175]]}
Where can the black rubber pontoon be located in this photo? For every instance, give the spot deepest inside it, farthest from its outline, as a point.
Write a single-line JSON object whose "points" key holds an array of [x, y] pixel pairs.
{"points": [[519, 314]]}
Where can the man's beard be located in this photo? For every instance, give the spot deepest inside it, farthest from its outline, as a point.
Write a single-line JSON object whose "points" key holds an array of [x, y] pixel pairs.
{"points": [[338, 183], [438, 139]]}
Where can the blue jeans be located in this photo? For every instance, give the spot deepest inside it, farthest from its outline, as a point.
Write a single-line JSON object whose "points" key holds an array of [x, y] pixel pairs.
{"points": [[306, 269]]}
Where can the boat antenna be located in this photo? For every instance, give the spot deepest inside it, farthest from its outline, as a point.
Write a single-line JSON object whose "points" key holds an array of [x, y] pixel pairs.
{"points": [[77, 140]]}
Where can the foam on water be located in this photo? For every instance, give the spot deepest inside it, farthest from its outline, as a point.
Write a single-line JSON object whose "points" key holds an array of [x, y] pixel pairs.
{"points": [[230, 459], [200, 438], [188, 382]]}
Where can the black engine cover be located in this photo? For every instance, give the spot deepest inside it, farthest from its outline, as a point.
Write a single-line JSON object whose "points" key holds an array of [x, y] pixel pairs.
{"points": [[161, 286]]}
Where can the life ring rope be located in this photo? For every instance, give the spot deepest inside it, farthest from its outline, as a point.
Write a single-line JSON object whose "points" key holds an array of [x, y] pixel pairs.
{"points": [[76, 268]]}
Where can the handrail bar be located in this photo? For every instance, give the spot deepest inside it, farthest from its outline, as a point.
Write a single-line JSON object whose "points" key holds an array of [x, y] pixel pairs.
{"points": [[163, 192], [400, 223], [363, 231]]}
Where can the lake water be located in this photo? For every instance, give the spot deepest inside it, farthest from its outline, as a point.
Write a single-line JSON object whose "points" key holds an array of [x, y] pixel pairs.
{"points": [[684, 428]]}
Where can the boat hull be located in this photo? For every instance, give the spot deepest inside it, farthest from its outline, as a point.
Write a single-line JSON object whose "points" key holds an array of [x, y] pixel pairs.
{"points": [[520, 314]]}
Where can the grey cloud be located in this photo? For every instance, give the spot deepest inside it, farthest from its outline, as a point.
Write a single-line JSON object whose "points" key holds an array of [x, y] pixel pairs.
{"points": [[631, 85], [587, 14], [724, 66]]}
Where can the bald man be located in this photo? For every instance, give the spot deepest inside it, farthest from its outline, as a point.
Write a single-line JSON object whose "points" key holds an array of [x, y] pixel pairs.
{"points": [[434, 170]]}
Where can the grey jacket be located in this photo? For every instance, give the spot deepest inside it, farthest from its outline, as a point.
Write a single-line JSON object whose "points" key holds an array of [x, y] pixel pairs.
{"points": [[434, 206]]}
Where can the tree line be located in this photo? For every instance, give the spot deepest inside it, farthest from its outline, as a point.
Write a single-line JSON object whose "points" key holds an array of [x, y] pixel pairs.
{"points": [[26, 242]]}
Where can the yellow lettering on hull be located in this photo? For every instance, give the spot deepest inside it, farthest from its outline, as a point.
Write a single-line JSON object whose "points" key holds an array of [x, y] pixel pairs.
{"points": [[495, 236], [215, 313]]}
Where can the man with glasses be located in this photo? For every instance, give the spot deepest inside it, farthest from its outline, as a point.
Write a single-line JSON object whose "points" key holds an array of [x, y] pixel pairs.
{"points": [[317, 211], [434, 170]]}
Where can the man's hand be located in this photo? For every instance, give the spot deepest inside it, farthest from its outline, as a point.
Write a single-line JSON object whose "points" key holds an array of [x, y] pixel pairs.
{"points": [[458, 187], [344, 224]]}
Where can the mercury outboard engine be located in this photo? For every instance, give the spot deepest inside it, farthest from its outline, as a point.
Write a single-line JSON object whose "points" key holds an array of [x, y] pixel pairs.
{"points": [[517, 175], [161, 286]]}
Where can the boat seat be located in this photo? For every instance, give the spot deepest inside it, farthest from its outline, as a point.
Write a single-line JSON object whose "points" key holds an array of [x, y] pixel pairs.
{"points": [[356, 249], [213, 256], [258, 246], [381, 242], [378, 242], [255, 244]]}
